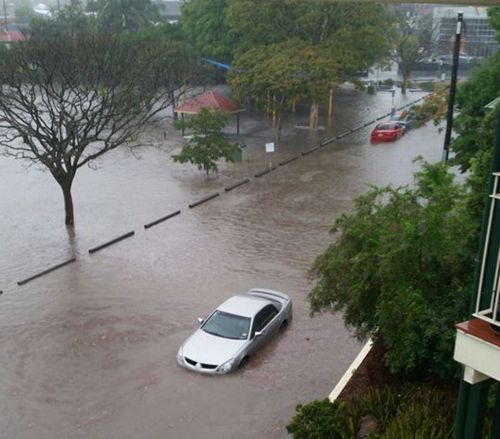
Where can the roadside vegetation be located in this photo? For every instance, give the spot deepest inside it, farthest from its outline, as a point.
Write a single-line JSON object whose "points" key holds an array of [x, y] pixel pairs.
{"points": [[207, 143], [401, 270]]}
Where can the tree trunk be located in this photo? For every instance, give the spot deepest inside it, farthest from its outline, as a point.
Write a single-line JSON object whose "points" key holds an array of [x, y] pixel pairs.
{"points": [[68, 202], [406, 79], [277, 128], [313, 116]]}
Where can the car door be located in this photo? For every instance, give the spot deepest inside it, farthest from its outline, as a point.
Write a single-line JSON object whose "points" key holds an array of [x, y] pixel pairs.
{"points": [[264, 322]]}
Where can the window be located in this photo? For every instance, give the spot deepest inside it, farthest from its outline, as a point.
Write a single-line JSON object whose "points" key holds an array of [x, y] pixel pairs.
{"points": [[262, 319], [223, 324]]}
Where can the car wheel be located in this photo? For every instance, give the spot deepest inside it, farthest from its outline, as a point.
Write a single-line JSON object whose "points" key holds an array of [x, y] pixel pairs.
{"points": [[283, 325], [243, 362]]}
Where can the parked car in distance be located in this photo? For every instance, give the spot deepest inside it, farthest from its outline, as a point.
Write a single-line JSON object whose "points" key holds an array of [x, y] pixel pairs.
{"points": [[234, 331], [387, 131], [407, 119]]}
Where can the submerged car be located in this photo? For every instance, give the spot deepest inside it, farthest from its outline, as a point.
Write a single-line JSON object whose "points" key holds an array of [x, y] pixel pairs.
{"points": [[407, 119], [235, 330], [387, 131]]}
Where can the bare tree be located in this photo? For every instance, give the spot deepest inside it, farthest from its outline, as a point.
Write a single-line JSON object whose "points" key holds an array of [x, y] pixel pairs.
{"points": [[67, 101]]}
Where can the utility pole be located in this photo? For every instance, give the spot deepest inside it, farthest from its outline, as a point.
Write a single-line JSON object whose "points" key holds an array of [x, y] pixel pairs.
{"points": [[5, 14], [453, 87]]}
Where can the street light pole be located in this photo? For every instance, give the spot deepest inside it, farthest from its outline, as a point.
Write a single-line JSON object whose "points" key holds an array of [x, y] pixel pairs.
{"points": [[5, 13], [453, 87]]}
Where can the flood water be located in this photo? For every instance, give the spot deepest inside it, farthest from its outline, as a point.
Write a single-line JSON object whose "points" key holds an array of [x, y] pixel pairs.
{"points": [[88, 351]]}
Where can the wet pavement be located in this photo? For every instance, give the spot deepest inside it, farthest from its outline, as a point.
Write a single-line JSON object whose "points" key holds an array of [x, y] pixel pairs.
{"points": [[88, 351]]}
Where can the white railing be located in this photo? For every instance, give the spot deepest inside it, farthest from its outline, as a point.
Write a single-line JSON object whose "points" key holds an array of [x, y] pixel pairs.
{"points": [[490, 312]]}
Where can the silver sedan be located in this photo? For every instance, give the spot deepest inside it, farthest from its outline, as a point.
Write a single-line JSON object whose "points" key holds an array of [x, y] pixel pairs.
{"points": [[234, 331]]}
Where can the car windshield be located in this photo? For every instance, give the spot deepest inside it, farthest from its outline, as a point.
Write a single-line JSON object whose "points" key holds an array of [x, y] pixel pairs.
{"points": [[223, 324]]}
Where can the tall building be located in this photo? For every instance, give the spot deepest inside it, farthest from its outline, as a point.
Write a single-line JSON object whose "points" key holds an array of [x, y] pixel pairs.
{"points": [[478, 37]]}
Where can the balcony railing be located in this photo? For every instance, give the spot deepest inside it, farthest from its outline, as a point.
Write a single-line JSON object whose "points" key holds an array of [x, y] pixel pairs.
{"points": [[488, 296]]}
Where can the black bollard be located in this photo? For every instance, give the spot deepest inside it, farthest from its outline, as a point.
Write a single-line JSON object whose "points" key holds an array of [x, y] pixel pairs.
{"points": [[234, 186], [42, 273], [310, 150], [113, 241], [204, 200], [288, 160], [160, 220]]}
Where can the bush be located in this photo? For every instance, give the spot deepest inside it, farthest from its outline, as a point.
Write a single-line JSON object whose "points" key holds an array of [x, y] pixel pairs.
{"points": [[382, 403], [414, 412], [426, 414], [323, 420], [434, 106]]}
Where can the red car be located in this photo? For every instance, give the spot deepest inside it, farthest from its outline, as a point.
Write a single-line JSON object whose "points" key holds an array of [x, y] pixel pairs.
{"points": [[387, 131]]}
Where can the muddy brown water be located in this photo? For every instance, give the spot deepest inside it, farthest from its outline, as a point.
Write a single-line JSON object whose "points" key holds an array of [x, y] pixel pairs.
{"points": [[88, 351]]}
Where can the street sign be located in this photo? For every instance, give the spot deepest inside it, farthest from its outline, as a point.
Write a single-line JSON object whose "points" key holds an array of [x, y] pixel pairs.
{"points": [[270, 147]]}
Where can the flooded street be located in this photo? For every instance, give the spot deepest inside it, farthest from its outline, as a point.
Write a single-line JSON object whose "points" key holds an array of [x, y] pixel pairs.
{"points": [[88, 351]]}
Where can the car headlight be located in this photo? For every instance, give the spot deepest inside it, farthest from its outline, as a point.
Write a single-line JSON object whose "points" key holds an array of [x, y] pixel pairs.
{"points": [[226, 367], [180, 357]]}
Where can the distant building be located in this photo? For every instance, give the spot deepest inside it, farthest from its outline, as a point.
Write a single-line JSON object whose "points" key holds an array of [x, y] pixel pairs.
{"points": [[478, 37]]}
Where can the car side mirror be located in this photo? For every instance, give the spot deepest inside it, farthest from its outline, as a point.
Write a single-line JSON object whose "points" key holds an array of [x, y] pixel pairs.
{"points": [[258, 333], [200, 320]]}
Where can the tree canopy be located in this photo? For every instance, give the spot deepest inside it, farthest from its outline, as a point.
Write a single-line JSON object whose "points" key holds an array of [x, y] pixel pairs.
{"points": [[410, 40], [67, 101], [116, 16], [208, 143], [401, 269], [474, 123], [295, 51], [203, 23]]}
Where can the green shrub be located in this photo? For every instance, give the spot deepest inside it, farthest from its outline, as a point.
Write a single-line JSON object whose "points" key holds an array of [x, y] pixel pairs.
{"points": [[323, 420], [427, 414], [381, 402]]}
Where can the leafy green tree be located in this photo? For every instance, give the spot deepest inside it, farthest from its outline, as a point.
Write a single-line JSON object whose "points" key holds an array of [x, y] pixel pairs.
{"points": [[162, 32], [70, 21], [475, 124], [410, 41], [208, 143], [285, 72], [64, 102], [400, 270], [203, 23], [290, 50], [494, 15], [261, 23], [117, 16], [24, 13]]}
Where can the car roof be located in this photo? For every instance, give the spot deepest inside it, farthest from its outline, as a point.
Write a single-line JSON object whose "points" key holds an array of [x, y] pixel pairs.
{"points": [[245, 305]]}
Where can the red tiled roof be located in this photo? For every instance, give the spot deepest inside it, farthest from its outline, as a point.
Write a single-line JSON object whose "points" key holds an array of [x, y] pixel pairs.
{"points": [[210, 99], [11, 36]]}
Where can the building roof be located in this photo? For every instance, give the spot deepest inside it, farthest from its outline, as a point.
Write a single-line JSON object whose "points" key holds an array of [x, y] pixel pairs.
{"points": [[11, 36], [210, 99]]}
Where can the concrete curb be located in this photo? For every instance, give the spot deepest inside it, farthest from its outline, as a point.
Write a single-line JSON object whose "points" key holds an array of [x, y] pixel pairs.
{"points": [[337, 390]]}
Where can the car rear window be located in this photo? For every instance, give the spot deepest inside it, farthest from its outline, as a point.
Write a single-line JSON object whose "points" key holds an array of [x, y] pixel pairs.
{"points": [[385, 126]]}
